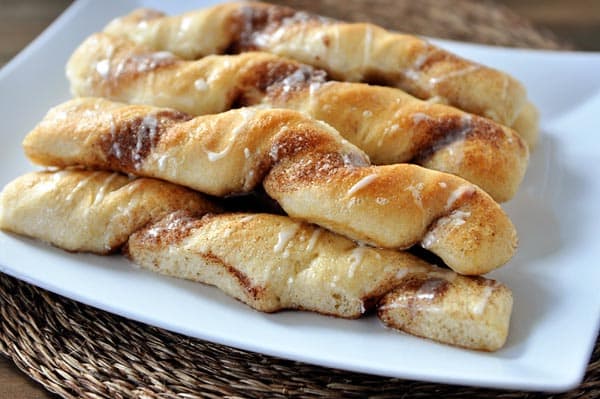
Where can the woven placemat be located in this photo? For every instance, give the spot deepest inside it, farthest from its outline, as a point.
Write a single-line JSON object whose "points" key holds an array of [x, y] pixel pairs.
{"points": [[465, 20], [75, 350]]}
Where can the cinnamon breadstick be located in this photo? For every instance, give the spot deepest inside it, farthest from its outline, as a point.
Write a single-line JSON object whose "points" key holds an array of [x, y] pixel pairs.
{"points": [[313, 173], [91, 211], [389, 125], [268, 262], [355, 52], [271, 263]]}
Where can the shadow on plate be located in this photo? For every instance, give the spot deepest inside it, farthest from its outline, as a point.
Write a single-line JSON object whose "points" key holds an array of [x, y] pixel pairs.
{"points": [[540, 210], [532, 302]]}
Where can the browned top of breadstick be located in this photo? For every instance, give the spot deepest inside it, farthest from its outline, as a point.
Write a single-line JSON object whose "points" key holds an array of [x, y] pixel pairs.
{"points": [[268, 262], [312, 172], [93, 211], [388, 124], [348, 51]]}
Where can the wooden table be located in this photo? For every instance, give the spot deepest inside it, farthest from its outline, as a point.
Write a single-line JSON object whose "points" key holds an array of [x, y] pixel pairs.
{"points": [[20, 21]]}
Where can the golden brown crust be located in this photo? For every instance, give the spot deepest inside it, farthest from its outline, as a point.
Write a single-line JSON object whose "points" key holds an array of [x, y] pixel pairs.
{"points": [[479, 310], [91, 211], [272, 263], [269, 262], [348, 51], [312, 172], [389, 125]]}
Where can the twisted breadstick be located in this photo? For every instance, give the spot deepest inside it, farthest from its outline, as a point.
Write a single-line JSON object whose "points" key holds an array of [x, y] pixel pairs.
{"points": [[90, 211], [418, 306], [304, 165], [268, 262], [292, 265], [389, 125], [348, 51]]}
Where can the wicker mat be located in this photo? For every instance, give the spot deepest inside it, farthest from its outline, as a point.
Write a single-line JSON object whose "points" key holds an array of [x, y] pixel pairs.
{"points": [[75, 350]]}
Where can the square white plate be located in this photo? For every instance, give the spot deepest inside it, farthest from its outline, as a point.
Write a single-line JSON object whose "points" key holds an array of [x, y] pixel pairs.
{"points": [[554, 277]]}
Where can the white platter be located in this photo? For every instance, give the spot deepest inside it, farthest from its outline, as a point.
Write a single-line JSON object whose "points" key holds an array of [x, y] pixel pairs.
{"points": [[555, 276]]}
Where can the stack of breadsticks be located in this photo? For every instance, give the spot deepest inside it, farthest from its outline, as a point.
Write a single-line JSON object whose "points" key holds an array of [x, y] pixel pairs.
{"points": [[249, 97]]}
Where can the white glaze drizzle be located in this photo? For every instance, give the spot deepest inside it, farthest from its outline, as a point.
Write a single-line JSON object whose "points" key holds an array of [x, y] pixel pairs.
{"points": [[479, 307], [429, 240], [466, 120], [284, 237], [249, 180], [363, 309], [394, 128], [415, 190], [103, 68], [294, 79], [419, 117], [354, 159], [414, 71], [60, 115], [427, 291], [362, 183], [47, 185], [457, 217], [454, 219], [172, 222], [161, 162], [184, 26], [437, 100], [434, 81], [200, 84], [247, 114], [101, 193], [147, 129], [400, 274], [116, 149], [148, 62], [227, 232], [457, 194], [356, 258], [80, 185], [247, 218], [90, 113]]}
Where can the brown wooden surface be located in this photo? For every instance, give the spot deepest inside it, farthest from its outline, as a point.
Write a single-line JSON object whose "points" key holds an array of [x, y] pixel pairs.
{"points": [[15, 384], [577, 22]]}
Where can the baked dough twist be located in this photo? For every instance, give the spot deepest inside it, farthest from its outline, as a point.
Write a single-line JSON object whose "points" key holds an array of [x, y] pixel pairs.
{"points": [[356, 52], [268, 262], [90, 211], [272, 262], [389, 125], [311, 171], [417, 306]]}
